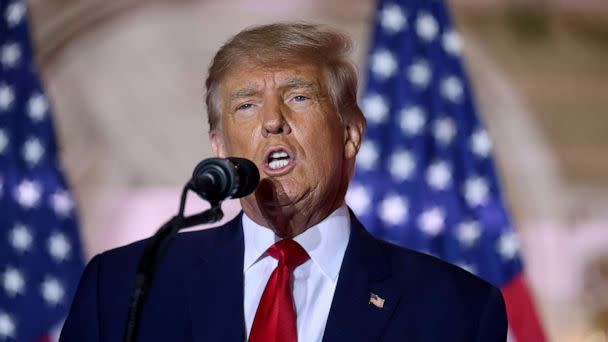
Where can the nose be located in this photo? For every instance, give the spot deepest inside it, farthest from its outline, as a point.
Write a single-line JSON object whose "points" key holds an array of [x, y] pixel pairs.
{"points": [[274, 119]]}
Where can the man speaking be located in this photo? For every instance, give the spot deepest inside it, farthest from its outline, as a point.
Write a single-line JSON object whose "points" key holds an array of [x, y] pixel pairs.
{"points": [[296, 265]]}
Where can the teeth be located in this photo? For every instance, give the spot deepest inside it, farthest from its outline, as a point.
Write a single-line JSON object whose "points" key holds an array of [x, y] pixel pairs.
{"points": [[279, 154], [277, 164]]}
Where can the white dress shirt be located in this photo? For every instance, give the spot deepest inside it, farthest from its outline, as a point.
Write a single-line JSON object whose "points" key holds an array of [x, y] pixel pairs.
{"points": [[314, 282]]}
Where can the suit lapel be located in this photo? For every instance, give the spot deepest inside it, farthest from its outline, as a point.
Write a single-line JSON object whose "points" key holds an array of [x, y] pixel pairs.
{"points": [[215, 290], [365, 271]]}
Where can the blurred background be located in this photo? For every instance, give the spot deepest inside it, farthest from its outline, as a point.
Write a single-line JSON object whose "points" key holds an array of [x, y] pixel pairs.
{"points": [[125, 79]]}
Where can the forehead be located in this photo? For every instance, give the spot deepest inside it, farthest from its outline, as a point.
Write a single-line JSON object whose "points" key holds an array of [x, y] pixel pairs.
{"points": [[292, 73]]}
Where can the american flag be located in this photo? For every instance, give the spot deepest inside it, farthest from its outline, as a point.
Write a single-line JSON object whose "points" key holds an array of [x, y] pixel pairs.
{"points": [[40, 253], [425, 178]]}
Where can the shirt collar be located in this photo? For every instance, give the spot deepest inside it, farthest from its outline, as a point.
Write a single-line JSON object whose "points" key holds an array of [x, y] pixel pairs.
{"points": [[324, 242]]}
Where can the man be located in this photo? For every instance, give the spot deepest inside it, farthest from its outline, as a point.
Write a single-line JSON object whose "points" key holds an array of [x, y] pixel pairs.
{"points": [[296, 264]]}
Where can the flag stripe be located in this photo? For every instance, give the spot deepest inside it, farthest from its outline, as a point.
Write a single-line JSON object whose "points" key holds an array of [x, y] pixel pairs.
{"points": [[524, 323]]}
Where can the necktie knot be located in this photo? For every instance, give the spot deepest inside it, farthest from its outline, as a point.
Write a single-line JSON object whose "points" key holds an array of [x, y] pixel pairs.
{"points": [[289, 253]]}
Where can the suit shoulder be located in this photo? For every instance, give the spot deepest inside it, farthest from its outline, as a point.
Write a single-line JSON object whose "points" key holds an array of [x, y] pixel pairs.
{"points": [[467, 306], [184, 243], [432, 270]]}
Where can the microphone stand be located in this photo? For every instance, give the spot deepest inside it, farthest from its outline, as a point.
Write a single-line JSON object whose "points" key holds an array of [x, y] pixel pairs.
{"points": [[153, 253]]}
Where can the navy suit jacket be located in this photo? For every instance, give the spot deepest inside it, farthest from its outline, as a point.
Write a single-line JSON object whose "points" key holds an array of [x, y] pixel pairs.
{"points": [[197, 294]]}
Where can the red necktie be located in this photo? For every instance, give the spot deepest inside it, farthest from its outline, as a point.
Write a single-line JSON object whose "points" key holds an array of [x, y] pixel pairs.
{"points": [[275, 318]]}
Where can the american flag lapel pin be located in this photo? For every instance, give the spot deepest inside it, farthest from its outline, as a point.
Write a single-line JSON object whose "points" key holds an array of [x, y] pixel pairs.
{"points": [[376, 300]]}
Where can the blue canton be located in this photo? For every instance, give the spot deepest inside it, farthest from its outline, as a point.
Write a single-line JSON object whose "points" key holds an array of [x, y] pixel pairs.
{"points": [[425, 178]]}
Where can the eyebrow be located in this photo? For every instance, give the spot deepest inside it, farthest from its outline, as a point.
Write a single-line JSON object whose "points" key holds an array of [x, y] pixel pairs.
{"points": [[246, 91], [298, 83], [291, 83]]}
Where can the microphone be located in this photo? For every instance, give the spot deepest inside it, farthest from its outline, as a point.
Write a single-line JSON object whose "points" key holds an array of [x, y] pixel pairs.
{"points": [[216, 179]]}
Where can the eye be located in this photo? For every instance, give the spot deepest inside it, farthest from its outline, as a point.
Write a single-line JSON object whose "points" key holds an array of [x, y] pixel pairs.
{"points": [[244, 106], [300, 98]]}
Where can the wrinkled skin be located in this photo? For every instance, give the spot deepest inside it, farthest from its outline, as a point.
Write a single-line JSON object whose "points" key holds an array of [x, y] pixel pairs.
{"points": [[287, 106]]}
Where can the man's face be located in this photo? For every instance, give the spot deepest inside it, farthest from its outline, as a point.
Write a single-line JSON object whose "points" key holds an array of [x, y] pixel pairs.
{"points": [[281, 117]]}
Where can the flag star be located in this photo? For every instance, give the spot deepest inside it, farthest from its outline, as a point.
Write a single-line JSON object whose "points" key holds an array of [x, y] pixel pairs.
{"points": [[481, 144], [368, 155], [476, 191], [439, 175], [419, 73], [358, 198], [426, 26], [468, 233], [15, 13], [392, 18], [431, 221], [13, 282], [59, 247], [444, 130], [37, 107], [402, 165], [20, 237], [393, 210], [412, 120], [508, 245], [10, 55], [62, 203], [3, 141], [7, 96], [384, 64], [452, 42], [451, 88], [32, 151], [28, 194], [52, 291], [7, 326], [375, 108]]}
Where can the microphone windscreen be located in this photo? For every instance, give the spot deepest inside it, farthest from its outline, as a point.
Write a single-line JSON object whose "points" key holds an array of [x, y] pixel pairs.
{"points": [[248, 176]]}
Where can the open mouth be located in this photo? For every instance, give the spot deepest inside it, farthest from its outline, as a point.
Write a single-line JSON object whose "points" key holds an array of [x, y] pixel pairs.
{"points": [[278, 161]]}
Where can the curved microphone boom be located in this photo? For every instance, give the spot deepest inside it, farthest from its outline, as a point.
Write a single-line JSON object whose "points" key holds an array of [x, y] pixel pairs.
{"points": [[216, 179]]}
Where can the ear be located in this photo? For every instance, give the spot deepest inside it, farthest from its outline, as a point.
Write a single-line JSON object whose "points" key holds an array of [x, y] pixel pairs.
{"points": [[217, 143], [353, 132]]}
